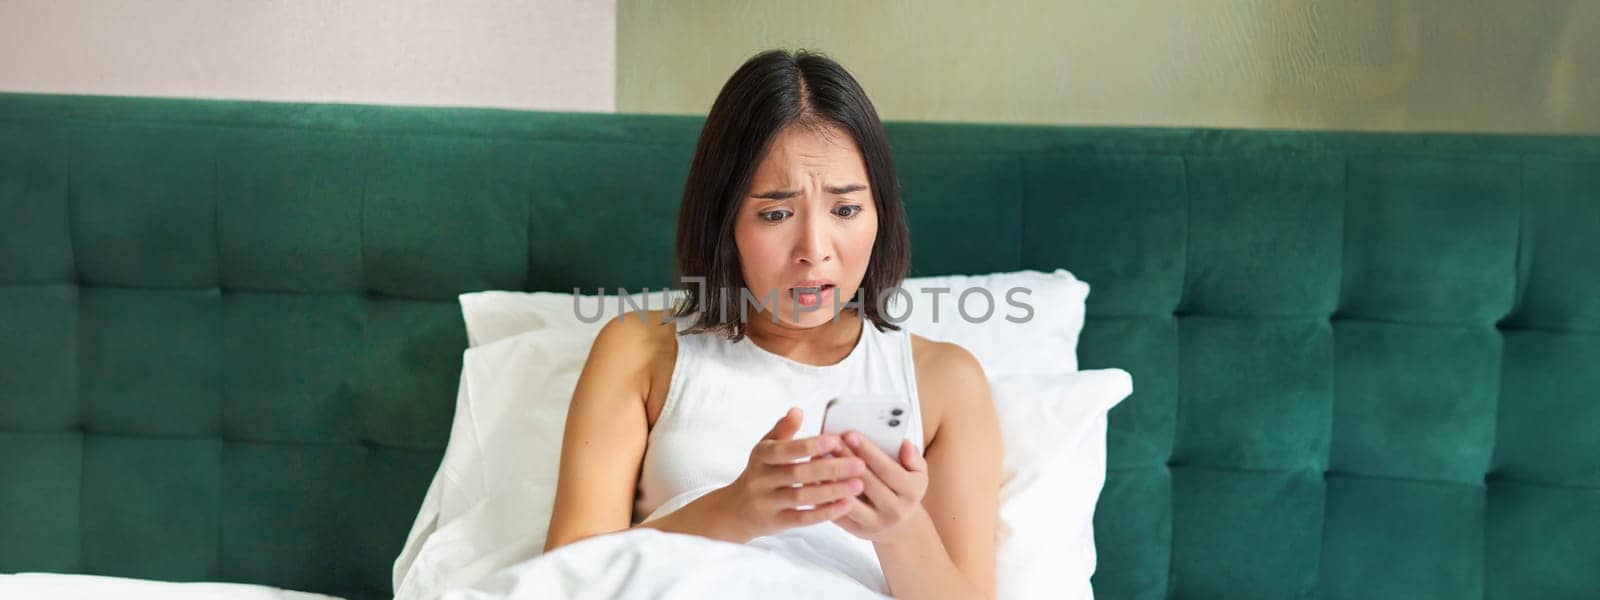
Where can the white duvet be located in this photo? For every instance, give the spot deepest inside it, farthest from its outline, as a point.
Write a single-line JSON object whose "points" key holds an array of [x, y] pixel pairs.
{"points": [[61, 586], [649, 563]]}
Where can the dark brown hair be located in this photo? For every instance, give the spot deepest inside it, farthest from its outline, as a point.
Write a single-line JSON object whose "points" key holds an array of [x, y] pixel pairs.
{"points": [[771, 91]]}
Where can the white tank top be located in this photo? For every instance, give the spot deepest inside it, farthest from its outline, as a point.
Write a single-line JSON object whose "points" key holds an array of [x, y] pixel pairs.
{"points": [[724, 396]]}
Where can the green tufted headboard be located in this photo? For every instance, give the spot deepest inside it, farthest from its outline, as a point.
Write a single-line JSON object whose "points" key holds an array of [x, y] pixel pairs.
{"points": [[1366, 366]]}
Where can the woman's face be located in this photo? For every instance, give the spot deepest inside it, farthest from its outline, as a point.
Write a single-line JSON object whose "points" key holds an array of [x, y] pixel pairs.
{"points": [[809, 216]]}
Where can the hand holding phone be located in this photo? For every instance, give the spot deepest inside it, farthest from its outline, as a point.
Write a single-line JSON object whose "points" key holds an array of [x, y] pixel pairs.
{"points": [[884, 420]]}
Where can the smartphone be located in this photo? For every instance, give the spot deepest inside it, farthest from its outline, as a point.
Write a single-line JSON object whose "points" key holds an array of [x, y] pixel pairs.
{"points": [[884, 420]]}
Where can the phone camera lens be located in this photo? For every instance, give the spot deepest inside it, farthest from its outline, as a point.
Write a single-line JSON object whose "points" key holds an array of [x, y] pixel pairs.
{"points": [[896, 412], [894, 422]]}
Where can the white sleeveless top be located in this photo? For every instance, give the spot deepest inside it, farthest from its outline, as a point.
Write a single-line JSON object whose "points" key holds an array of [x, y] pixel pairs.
{"points": [[724, 396]]}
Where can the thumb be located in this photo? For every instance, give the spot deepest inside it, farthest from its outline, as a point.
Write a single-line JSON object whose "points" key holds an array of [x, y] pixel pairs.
{"points": [[910, 458], [786, 426]]}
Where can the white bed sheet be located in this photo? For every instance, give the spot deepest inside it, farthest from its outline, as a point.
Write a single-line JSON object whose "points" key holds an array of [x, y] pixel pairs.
{"points": [[59, 586], [650, 563]]}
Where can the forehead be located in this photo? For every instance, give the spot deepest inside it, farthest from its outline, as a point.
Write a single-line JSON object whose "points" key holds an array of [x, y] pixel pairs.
{"points": [[799, 150]]}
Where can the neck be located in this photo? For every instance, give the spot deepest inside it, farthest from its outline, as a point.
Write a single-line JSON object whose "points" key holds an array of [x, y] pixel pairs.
{"points": [[827, 343]]}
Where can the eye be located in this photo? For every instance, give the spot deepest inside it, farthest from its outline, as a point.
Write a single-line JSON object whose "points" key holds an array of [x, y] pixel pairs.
{"points": [[773, 216], [851, 210]]}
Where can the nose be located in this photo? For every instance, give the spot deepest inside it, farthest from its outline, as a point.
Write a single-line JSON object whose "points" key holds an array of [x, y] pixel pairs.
{"points": [[813, 248]]}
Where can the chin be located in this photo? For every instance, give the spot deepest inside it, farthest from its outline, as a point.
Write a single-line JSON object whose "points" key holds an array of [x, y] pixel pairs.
{"points": [[815, 318]]}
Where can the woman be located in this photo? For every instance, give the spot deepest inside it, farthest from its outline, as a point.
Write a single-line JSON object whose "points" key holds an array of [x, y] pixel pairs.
{"points": [[691, 423]]}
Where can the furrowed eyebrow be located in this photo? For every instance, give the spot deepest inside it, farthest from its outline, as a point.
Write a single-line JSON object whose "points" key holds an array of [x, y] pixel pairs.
{"points": [[787, 194], [777, 195]]}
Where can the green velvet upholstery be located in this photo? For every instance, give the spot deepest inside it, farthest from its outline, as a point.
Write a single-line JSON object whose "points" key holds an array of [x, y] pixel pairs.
{"points": [[1365, 365]]}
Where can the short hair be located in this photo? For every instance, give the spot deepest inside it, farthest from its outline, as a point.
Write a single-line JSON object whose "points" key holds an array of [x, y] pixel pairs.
{"points": [[770, 91]]}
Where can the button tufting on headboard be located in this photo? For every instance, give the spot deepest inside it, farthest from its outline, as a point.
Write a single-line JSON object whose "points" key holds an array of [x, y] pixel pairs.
{"points": [[1364, 364]]}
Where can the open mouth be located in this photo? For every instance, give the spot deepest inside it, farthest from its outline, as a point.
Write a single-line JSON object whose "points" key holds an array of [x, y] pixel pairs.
{"points": [[811, 296]]}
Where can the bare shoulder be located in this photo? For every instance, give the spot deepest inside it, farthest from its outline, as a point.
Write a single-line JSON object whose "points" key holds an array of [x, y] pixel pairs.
{"points": [[638, 348], [635, 341], [945, 363], [950, 381], [640, 329]]}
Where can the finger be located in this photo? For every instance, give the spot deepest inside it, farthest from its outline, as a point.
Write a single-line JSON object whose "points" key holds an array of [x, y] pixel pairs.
{"points": [[859, 516], [788, 451], [786, 426], [832, 468], [822, 512], [910, 458], [877, 493], [887, 469], [849, 526], [820, 493]]}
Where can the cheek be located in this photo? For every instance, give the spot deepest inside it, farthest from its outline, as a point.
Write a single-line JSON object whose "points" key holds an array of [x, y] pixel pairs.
{"points": [[861, 240], [756, 253]]}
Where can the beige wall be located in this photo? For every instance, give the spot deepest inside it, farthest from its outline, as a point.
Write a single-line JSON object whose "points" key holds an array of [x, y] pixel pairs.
{"points": [[1455, 65], [531, 54]]}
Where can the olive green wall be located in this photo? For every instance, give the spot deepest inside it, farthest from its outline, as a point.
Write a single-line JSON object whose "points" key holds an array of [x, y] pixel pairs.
{"points": [[1414, 65]]}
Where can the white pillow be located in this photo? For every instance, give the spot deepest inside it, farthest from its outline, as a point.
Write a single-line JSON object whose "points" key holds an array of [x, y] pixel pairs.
{"points": [[1054, 427], [1051, 305], [1046, 342], [490, 501], [495, 315]]}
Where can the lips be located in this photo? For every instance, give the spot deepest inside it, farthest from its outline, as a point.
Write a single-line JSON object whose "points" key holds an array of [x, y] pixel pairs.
{"points": [[809, 292], [808, 295], [812, 285]]}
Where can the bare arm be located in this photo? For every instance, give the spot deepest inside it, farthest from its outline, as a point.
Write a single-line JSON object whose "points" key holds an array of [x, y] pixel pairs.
{"points": [[947, 549], [605, 436], [931, 516]]}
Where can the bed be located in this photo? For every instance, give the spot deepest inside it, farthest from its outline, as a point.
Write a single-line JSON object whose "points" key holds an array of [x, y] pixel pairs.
{"points": [[229, 338]]}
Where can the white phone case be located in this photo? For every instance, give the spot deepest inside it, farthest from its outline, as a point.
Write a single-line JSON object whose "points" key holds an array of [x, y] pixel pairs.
{"points": [[883, 419]]}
